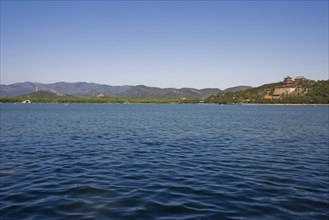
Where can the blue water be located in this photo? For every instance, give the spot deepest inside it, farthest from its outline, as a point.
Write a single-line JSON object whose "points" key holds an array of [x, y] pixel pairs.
{"points": [[112, 161]]}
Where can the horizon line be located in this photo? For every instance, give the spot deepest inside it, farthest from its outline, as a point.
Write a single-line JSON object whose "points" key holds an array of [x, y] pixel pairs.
{"points": [[168, 87]]}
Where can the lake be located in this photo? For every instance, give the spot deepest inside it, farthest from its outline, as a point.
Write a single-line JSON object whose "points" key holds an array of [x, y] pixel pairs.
{"points": [[147, 161]]}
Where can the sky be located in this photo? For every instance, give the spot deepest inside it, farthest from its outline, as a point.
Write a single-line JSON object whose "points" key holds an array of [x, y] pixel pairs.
{"points": [[199, 44]]}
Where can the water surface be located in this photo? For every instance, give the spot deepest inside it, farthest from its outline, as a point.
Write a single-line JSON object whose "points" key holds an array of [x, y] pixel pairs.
{"points": [[112, 161]]}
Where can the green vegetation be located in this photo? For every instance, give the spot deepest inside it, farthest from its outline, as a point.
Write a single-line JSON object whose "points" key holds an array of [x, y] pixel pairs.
{"points": [[49, 97], [309, 92], [45, 95], [93, 100], [313, 92]]}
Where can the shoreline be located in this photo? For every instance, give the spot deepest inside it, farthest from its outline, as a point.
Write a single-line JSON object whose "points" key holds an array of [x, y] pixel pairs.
{"points": [[173, 103], [281, 104]]}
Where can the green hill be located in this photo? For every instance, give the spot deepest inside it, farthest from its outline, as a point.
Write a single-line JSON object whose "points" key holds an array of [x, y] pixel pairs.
{"points": [[44, 95], [304, 92]]}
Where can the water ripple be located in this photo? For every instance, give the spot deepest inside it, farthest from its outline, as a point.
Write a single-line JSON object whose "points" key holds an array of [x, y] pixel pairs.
{"points": [[164, 162]]}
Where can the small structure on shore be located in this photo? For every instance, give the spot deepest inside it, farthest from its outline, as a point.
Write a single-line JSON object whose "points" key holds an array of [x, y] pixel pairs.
{"points": [[26, 101], [268, 97]]}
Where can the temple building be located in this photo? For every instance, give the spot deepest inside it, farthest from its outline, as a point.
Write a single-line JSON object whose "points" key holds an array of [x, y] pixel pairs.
{"points": [[288, 82], [289, 87], [299, 78]]}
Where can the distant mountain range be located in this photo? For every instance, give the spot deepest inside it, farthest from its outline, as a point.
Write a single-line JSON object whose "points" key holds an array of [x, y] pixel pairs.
{"points": [[83, 89]]}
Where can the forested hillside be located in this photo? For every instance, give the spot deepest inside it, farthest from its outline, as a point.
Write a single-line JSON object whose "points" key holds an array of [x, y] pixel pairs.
{"points": [[307, 92]]}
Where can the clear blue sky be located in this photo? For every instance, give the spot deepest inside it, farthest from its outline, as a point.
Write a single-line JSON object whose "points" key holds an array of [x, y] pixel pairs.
{"points": [[178, 44]]}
